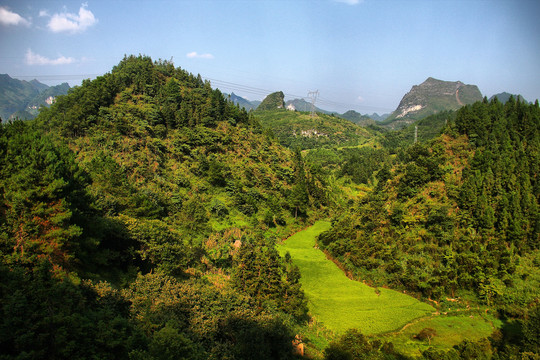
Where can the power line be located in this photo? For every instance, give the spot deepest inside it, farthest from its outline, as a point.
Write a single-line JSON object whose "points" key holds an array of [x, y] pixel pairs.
{"points": [[221, 84], [263, 92], [56, 77], [313, 96]]}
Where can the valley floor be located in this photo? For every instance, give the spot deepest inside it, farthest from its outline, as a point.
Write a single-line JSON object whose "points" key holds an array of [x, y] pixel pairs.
{"points": [[340, 303]]}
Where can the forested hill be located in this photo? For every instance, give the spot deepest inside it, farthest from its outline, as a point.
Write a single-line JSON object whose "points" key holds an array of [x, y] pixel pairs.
{"points": [[135, 214], [457, 215], [300, 130]]}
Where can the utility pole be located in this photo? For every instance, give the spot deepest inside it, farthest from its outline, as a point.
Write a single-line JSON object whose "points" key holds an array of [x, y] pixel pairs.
{"points": [[313, 95]]}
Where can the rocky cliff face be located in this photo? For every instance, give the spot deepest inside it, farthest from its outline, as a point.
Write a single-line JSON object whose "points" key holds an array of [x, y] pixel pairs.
{"points": [[430, 97]]}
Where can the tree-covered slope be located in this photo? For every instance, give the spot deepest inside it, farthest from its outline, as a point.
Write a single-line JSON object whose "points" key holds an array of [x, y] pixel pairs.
{"points": [[135, 210], [301, 130], [422, 130], [504, 97], [458, 214]]}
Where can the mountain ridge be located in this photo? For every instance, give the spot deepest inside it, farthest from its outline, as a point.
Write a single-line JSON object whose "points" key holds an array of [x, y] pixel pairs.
{"points": [[22, 99], [430, 97], [243, 102]]}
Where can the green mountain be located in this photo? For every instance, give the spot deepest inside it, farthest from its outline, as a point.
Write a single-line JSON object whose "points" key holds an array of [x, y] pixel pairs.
{"points": [[140, 216], [357, 118], [303, 105], [272, 102], [422, 130], [378, 117], [430, 97], [19, 98], [504, 97]]}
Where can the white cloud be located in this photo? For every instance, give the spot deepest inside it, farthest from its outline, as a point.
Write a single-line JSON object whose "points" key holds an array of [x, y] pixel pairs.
{"points": [[360, 98], [195, 55], [69, 22], [43, 13], [36, 59], [8, 17], [350, 2]]}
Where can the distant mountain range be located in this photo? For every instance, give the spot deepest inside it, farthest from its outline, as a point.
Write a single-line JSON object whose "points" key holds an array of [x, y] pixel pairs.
{"points": [[303, 105], [20, 98], [243, 103], [430, 97]]}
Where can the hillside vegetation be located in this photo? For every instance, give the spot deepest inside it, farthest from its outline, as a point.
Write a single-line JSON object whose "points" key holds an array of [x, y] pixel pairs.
{"points": [[140, 217], [300, 130], [123, 209], [455, 215]]}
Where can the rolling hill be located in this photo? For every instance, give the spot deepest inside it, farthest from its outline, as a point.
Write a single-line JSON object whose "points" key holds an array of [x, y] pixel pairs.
{"points": [[300, 130], [357, 118]]}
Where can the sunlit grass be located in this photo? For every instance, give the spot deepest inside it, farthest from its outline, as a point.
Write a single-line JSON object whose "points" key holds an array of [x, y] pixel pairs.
{"points": [[340, 303], [449, 331]]}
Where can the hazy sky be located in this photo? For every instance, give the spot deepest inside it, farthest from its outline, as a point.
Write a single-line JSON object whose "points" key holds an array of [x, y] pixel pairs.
{"points": [[360, 55]]}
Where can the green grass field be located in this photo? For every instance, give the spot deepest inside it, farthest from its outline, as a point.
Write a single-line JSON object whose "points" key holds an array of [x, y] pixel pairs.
{"points": [[450, 331], [340, 303]]}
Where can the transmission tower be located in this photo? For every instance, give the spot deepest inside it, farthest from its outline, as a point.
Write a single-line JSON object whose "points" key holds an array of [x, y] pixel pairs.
{"points": [[313, 95]]}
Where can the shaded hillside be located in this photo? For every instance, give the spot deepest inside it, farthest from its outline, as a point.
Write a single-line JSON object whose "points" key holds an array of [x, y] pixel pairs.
{"points": [[430, 97], [301, 130], [19, 98], [145, 183]]}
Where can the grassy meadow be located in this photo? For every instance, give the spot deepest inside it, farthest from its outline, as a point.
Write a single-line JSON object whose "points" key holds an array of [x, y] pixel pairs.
{"points": [[340, 303], [449, 331]]}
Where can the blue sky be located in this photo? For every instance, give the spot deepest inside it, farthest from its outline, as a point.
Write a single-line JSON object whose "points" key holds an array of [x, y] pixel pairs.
{"points": [[360, 55]]}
